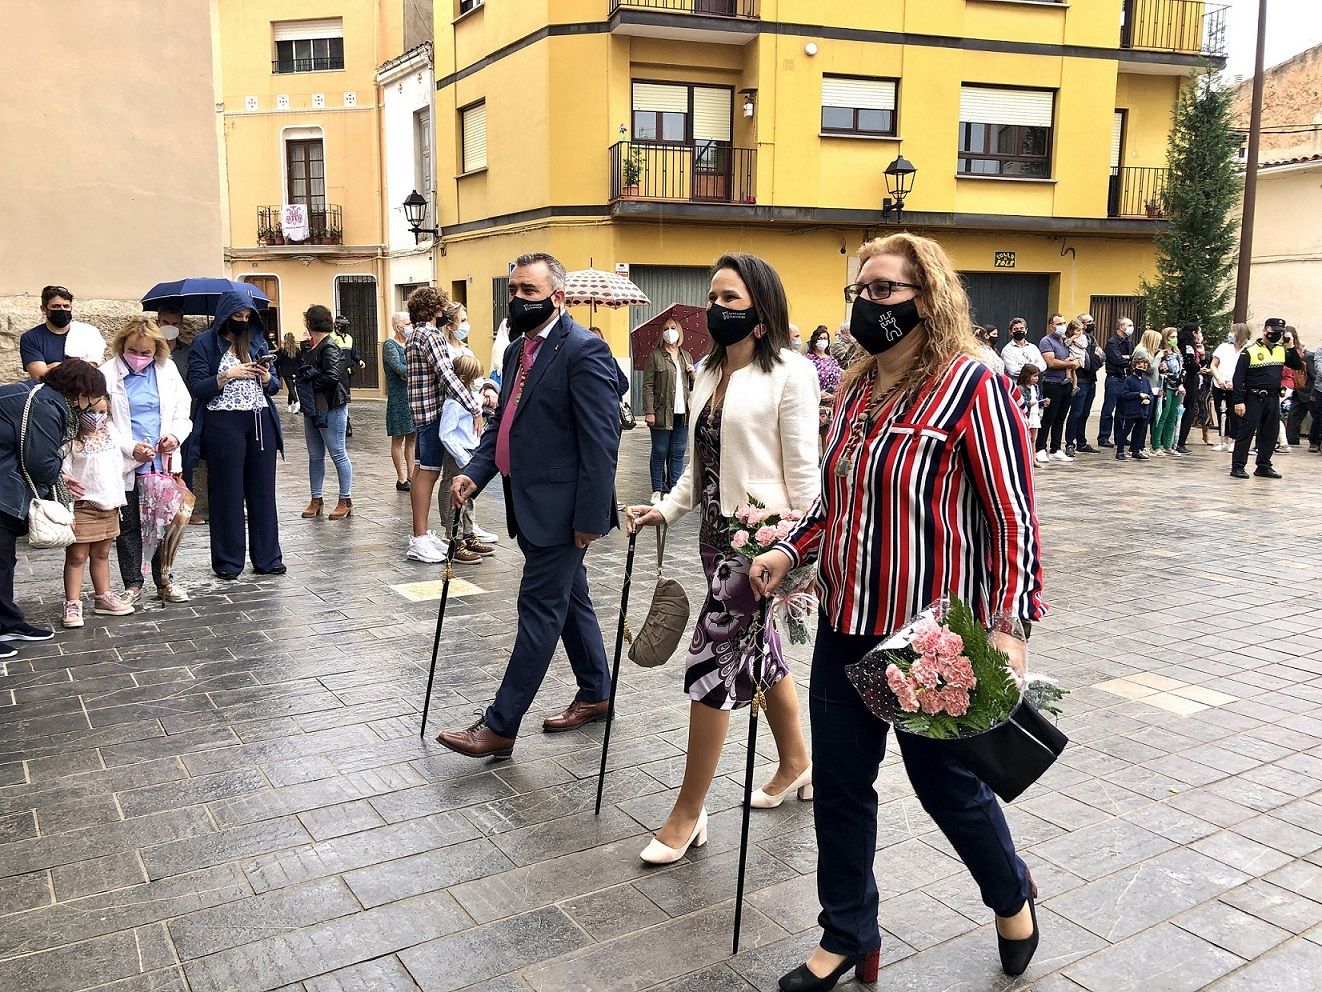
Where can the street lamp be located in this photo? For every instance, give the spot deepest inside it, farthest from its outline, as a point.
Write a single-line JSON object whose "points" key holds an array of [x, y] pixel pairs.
{"points": [[899, 184], [415, 212]]}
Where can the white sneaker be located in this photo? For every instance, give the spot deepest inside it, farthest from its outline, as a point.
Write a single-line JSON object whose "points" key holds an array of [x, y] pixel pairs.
{"points": [[1043, 458], [485, 536], [1219, 447], [441, 545], [656, 498], [422, 549], [1060, 456]]}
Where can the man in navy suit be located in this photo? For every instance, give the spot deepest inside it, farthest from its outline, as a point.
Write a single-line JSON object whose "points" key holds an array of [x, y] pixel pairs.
{"points": [[554, 441]]}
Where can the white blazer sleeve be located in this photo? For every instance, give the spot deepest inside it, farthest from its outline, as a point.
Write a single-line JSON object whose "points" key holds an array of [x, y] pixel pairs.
{"points": [[798, 434], [175, 419], [679, 500]]}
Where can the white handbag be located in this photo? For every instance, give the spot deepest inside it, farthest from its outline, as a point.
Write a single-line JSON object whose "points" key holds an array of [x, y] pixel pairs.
{"points": [[50, 522]]}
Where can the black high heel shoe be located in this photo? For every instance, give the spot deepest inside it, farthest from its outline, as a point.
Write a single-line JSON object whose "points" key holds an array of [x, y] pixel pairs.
{"points": [[1016, 954], [802, 980]]}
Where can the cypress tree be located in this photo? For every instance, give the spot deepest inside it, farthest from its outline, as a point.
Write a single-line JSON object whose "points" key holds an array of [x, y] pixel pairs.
{"points": [[1196, 253]]}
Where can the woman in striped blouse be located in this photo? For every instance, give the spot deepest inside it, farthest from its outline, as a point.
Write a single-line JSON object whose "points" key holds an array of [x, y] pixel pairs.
{"points": [[926, 492]]}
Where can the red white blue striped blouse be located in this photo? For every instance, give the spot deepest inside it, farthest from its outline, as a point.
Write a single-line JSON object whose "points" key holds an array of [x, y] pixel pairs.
{"points": [[936, 500]]}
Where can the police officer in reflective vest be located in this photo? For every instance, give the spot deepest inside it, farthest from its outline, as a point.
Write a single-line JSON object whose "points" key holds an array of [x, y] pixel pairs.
{"points": [[1257, 398]]}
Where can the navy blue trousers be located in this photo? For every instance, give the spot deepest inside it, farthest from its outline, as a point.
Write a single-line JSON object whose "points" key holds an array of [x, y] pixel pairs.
{"points": [[1110, 397], [241, 451], [848, 743], [553, 606]]}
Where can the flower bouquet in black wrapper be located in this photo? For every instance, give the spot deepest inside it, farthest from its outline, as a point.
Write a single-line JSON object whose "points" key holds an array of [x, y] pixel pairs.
{"points": [[941, 677]]}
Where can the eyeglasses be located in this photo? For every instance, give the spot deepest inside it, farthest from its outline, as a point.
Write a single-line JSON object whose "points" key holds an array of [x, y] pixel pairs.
{"points": [[877, 290]]}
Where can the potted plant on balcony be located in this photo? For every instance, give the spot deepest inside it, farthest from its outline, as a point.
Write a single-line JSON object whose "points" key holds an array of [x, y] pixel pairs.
{"points": [[263, 235], [334, 236], [1154, 209], [631, 171], [277, 236]]}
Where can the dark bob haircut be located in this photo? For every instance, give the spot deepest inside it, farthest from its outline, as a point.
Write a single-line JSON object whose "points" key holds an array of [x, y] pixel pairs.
{"points": [[769, 300], [319, 319]]}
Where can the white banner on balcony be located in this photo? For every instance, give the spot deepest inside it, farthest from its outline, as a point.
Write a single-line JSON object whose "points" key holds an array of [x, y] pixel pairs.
{"points": [[988, 105], [294, 221]]}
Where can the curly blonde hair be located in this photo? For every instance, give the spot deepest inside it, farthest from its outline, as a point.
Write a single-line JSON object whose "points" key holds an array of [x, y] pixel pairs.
{"points": [[140, 325], [948, 326]]}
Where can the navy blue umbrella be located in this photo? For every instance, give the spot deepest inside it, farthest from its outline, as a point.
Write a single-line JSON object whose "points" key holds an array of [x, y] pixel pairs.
{"points": [[199, 296]]}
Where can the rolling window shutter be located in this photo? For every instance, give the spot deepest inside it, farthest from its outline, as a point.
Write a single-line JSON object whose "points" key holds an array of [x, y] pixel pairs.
{"points": [[660, 97], [1117, 138], [1026, 108], [326, 27], [859, 94], [475, 137], [711, 114]]}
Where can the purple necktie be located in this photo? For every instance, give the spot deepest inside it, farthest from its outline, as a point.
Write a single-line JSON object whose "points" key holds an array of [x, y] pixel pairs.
{"points": [[530, 346]]}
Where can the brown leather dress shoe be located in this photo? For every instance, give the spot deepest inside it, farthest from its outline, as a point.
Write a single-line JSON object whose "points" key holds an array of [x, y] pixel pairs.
{"points": [[578, 714], [478, 741]]}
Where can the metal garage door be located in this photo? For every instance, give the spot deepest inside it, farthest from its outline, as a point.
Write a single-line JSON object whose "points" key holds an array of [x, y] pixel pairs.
{"points": [[664, 285], [995, 297]]}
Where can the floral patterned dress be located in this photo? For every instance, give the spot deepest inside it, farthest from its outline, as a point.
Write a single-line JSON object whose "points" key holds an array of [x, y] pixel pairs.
{"points": [[721, 657]]}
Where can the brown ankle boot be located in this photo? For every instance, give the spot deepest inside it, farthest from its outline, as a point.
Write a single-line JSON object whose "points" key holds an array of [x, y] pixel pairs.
{"points": [[313, 510], [343, 508]]}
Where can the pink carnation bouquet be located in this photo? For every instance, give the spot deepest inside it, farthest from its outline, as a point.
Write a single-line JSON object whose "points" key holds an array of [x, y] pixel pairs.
{"points": [[755, 529]]}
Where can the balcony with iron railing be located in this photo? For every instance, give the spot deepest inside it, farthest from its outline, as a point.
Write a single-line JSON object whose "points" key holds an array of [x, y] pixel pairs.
{"points": [[703, 172], [1185, 27], [1137, 191], [281, 67], [325, 227], [709, 8]]}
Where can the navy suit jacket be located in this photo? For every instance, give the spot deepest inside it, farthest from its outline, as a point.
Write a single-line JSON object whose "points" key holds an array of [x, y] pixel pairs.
{"points": [[564, 440]]}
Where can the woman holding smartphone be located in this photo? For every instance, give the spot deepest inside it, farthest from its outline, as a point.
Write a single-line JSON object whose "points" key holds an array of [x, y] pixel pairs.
{"points": [[229, 374]]}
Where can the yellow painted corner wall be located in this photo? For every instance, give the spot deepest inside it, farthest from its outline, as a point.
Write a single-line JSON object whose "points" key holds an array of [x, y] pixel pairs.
{"points": [[1150, 103], [254, 147]]}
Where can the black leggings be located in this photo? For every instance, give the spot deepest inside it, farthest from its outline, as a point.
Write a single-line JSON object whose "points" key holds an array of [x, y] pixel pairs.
{"points": [[128, 545]]}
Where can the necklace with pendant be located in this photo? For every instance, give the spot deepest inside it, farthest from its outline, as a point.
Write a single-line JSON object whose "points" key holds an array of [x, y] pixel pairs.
{"points": [[864, 419]]}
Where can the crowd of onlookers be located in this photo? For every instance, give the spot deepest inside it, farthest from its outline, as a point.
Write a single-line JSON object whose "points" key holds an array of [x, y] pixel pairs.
{"points": [[160, 402]]}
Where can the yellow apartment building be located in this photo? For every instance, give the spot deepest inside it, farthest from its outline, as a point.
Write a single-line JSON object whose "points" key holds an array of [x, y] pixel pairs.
{"points": [[300, 122], [657, 134]]}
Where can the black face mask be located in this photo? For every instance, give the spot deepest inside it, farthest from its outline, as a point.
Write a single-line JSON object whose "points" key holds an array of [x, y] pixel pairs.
{"points": [[878, 327], [1273, 336], [728, 327], [234, 327], [1019, 335], [526, 315], [62, 318]]}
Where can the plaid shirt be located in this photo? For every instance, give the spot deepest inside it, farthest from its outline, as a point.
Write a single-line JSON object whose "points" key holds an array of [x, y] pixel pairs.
{"points": [[431, 376]]}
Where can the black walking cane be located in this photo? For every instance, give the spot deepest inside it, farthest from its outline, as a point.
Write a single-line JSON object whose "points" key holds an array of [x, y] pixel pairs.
{"points": [[447, 575], [758, 633], [615, 671]]}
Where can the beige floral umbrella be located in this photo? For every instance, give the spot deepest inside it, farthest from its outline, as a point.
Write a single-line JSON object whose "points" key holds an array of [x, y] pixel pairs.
{"points": [[596, 288]]}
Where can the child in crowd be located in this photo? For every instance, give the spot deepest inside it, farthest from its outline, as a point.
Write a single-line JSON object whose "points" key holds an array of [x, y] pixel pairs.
{"points": [[1076, 338], [1030, 400], [97, 461], [459, 437], [1135, 411]]}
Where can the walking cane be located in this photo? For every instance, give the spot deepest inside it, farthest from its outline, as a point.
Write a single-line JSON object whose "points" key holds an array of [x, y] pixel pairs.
{"points": [[759, 635], [447, 575], [615, 670]]}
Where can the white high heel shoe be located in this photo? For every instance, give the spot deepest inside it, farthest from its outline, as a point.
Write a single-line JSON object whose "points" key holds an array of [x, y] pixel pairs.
{"points": [[763, 800], [657, 853]]}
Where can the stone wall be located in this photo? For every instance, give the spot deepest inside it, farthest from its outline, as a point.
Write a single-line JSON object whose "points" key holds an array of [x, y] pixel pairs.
{"points": [[1292, 97], [21, 313]]}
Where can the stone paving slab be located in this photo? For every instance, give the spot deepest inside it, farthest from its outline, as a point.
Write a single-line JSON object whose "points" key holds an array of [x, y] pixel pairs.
{"points": [[230, 794]]}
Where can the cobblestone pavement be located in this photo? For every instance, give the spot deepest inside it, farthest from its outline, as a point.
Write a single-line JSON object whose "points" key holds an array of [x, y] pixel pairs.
{"points": [[230, 794]]}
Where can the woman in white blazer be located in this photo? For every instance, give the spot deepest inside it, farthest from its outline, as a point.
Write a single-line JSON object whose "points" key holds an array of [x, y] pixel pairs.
{"points": [[148, 395], [753, 433]]}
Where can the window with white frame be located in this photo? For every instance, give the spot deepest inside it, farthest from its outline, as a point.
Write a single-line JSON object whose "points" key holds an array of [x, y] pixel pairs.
{"points": [[473, 137], [308, 46], [1005, 132], [857, 105]]}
